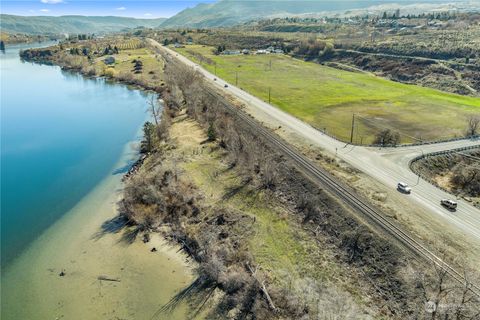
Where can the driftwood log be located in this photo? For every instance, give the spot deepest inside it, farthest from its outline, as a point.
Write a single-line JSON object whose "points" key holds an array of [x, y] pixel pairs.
{"points": [[262, 287], [105, 278]]}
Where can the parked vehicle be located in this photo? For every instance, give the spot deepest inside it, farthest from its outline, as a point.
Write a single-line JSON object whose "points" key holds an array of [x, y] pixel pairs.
{"points": [[214, 79], [403, 187], [226, 85], [449, 204]]}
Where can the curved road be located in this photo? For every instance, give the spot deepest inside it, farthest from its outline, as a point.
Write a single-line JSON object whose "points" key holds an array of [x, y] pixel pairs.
{"points": [[386, 165]]}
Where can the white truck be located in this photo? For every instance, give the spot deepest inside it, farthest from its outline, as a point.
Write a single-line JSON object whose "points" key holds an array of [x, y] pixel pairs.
{"points": [[403, 187], [449, 204]]}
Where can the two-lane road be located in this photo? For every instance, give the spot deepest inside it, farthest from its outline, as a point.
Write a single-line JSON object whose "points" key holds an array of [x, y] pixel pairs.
{"points": [[388, 166]]}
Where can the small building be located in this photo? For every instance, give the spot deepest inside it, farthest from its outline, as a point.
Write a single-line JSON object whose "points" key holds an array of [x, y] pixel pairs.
{"points": [[270, 49], [231, 52], [178, 45], [261, 51], [279, 51], [246, 51], [109, 60]]}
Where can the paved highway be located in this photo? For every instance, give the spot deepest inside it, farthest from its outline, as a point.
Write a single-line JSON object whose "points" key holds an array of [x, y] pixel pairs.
{"points": [[386, 165]]}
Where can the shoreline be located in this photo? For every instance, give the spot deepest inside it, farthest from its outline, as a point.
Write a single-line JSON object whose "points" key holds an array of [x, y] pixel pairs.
{"points": [[76, 246], [51, 60], [59, 275]]}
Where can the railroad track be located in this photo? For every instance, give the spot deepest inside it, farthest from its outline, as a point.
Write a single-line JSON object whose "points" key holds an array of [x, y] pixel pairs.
{"points": [[348, 195]]}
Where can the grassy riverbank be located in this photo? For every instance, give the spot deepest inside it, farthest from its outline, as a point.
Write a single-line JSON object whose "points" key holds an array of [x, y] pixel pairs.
{"points": [[327, 97], [261, 227], [131, 62]]}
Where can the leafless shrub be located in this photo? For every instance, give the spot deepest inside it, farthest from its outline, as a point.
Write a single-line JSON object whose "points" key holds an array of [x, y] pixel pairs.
{"points": [[212, 268], [443, 298], [164, 125], [387, 137], [466, 177], [473, 124], [125, 76], [234, 280], [158, 197]]}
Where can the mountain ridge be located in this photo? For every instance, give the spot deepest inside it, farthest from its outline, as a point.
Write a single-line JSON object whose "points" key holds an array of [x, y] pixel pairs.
{"points": [[226, 13], [72, 24]]}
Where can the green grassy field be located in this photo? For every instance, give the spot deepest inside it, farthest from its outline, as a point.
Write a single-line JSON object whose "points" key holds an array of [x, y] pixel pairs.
{"points": [[327, 98]]}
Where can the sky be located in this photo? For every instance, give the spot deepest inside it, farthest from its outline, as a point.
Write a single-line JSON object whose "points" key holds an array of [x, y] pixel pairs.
{"points": [[127, 8]]}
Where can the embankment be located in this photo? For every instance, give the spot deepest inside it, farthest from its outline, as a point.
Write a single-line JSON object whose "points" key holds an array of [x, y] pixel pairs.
{"points": [[257, 227]]}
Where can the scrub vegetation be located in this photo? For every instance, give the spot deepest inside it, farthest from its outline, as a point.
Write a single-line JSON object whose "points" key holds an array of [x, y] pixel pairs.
{"points": [[456, 172], [268, 242]]}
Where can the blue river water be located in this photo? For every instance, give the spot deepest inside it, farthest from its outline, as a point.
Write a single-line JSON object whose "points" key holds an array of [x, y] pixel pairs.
{"points": [[61, 134]]}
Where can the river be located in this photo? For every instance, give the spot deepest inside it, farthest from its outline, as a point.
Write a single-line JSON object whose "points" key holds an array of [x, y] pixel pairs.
{"points": [[65, 143]]}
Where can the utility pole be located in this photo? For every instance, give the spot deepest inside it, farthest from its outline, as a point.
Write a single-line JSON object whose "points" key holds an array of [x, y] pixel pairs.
{"points": [[236, 78], [353, 125], [269, 94], [215, 69], [270, 64]]}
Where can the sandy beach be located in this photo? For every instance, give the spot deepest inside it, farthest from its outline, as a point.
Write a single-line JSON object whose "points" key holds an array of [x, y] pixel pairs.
{"points": [[32, 287]]}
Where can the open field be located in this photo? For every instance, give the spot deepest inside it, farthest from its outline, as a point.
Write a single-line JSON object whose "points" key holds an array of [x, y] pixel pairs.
{"points": [[151, 73], [327, 98]]}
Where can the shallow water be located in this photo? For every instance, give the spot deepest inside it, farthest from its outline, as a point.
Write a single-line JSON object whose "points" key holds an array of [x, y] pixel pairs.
{"points": [[66, 141], [32, 287], [61, 134]]}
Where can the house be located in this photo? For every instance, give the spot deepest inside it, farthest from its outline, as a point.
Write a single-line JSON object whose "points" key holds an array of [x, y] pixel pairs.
{"points": [[178, 45], [270, 49], [109, 60], [246, 51], [231, 52], [261, 51], [279, 51]]}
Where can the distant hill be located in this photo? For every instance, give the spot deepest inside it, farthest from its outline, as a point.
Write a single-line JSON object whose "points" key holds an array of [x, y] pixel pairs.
{"points": [[226, 13], [71, 24]]}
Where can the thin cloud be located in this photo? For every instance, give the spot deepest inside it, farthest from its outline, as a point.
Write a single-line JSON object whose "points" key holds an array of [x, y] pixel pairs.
{"points": [[147, 14], [51, 1], [121, 8], [44, 10]]}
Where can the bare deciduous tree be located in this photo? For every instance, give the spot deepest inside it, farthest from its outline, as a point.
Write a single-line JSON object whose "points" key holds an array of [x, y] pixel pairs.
{"points": [[153, 109], [444, 298], [473, 124], [387, 137]]}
